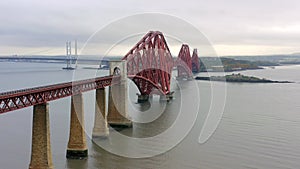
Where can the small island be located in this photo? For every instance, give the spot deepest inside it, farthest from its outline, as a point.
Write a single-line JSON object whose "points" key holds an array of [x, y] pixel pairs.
{"points": [[239, 78]]}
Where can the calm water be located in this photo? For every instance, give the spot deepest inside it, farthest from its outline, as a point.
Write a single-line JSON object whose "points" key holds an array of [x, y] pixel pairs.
{"points": [[260, 126]]}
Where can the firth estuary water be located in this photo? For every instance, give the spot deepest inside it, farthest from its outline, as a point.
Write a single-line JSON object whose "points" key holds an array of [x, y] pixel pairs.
{"points": [[259, 125]]}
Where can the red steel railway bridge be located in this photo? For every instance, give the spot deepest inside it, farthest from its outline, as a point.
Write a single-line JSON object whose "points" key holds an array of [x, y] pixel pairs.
{"points": [[148, 64]]}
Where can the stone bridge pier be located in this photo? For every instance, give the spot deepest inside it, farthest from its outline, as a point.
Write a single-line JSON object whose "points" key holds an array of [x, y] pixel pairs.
{"points": [[100, 129], [41, 157], [77, 148], [118, 97]]}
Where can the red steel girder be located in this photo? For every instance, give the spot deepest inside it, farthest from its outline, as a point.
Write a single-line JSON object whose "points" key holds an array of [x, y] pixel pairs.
{"points": [[19, 99], [184, 62], [150, 64], [195, 62]]}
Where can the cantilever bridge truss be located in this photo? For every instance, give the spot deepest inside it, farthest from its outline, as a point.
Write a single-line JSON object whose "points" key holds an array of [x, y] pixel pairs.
{"points": [[149, 64], [195, 62], [184, 62]]}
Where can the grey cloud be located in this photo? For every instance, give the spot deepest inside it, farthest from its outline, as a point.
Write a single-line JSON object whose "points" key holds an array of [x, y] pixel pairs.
{"points": [[50, 23]]}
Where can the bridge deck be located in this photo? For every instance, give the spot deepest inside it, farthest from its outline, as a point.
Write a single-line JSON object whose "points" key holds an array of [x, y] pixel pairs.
{"points": [[19, 99]]}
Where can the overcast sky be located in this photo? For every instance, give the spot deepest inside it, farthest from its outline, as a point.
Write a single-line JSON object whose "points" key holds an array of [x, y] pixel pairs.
{"points": [[233, 27]]}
